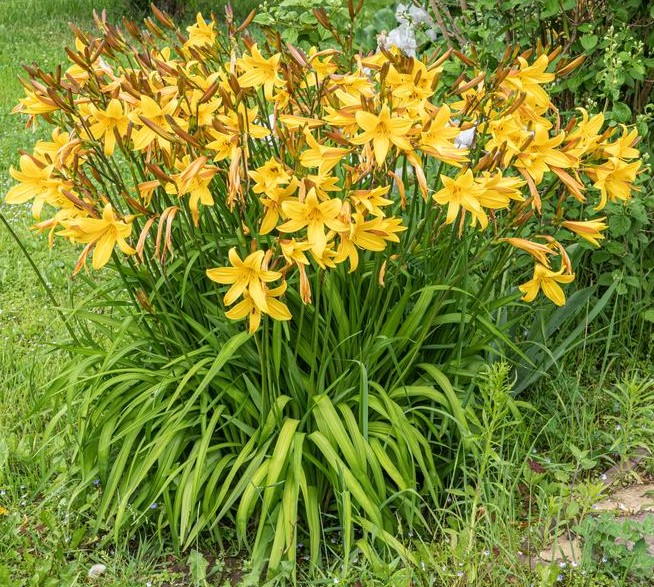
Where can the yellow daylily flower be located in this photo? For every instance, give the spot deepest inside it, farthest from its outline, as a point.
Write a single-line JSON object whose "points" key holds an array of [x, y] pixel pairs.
{"points": [[508, 134], [614, 179], [497, 191], [415, 85], [589, 229], [548, 281], [356, 84], [269, 176], [36, 182], [362, 234], [155, 114], [381, 130], [314, 216], [461, 192], [623, 148], [61, 150], [317, 155], [202, 112], [323, 184], [438, 139], [223, 144], [194, 178], [529, 78], [106, 123], [248, 275], [584, 137], [273, 204], [242, 120], [258, 71], [34, 103], [101, 233], [541, 153], [319, 70], [248, 308], [370, 201], [293, 251], [201, 33]]}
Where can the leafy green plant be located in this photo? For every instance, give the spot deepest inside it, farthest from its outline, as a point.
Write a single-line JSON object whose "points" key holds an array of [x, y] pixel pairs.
{"points": [[295, 22], [206, 171], [617, 47], [619, 546], [629, 423]]}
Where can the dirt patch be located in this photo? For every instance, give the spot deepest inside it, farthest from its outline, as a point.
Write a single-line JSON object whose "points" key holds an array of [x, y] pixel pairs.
{"points": [[629, 500], [633, 503]]}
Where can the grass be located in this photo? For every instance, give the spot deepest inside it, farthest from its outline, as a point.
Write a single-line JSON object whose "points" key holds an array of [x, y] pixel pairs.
{"points": [[535, 471]]}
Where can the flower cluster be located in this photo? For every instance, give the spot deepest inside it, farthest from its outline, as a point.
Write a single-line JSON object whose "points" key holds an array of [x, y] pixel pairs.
{"points": [[298, 162]]}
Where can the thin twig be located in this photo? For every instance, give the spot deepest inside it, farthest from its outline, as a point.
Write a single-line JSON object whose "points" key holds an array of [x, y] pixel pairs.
{"points": [[436, 7], [441, 24]]}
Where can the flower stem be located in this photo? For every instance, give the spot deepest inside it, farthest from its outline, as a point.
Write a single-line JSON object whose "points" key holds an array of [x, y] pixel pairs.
{"points": [[44, 283]]}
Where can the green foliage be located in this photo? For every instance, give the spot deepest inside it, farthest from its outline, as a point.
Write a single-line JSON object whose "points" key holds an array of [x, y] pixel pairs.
{"points": [[630, 422], [188, 8], [295, 22], [616, 42], [619, 546], [184, 428], [222, 432], [615, 38]]}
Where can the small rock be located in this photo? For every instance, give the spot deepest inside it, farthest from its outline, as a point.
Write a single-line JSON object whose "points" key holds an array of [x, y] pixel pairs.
{"points": [[96, 571]]}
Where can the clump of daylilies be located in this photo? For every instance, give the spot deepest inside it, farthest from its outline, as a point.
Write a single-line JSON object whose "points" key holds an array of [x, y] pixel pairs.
{"points": [[293, 162]]}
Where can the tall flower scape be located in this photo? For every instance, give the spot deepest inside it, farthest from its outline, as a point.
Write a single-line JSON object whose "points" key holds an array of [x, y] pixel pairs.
{"points": [[276, 167]]}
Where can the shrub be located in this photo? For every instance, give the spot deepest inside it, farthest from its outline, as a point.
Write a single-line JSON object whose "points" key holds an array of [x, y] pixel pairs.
{"points": [[367, 221]]}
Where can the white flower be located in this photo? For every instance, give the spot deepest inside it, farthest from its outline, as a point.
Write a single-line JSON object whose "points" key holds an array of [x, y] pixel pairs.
{"points": [[465, 138], [403, 38], [415, 16], [419, 15]]}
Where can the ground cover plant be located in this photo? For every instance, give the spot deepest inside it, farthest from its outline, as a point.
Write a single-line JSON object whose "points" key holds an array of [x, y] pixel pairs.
{"points": [[294, 418]]}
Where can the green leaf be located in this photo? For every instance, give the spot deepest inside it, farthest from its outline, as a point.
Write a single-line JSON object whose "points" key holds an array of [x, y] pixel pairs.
{"points": [[638, 212], [588, 41], [197, 565], [619, 225], [4, 454], [550, 8], [575, 338], [621, 112], [351, 482]]}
